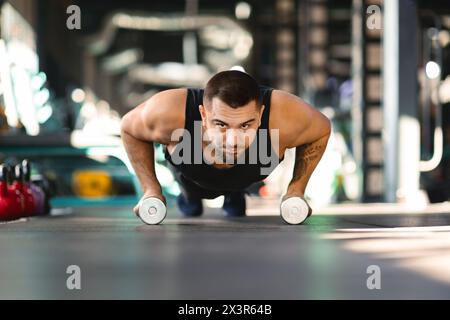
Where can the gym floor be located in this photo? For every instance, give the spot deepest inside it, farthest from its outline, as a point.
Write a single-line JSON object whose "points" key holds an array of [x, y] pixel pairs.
{"points": [[213, 257]]}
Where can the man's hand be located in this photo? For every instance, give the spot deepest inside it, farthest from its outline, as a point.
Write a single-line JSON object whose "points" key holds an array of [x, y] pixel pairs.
{"points": [[150, 193], [291, 194]]}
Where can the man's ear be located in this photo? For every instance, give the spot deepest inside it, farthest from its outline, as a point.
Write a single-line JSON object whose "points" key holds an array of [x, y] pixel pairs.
{"points": [[201, 108]]}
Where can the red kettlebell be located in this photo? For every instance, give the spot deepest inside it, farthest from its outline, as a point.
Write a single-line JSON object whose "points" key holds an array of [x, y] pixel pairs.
{"points": [[37, 192], [11, 205], [28, 198]]}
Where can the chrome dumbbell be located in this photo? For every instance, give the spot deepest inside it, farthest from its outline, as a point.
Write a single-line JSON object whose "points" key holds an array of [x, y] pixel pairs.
{"points": [[295, 210], [152, 210]]}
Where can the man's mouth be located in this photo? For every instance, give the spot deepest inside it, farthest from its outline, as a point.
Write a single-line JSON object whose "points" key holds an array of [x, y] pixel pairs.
{"points": [[233, 151]]}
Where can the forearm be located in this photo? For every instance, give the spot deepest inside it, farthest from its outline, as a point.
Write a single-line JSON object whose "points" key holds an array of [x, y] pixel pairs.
{"points": [[307, 158], [142, 157]]}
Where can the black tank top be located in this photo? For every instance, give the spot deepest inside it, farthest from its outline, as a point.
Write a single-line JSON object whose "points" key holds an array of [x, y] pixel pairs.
{"points": [[237, 177]]}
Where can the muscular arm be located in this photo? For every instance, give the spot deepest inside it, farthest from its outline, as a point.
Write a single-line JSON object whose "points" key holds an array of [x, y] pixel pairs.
{"points": [[305, 129], [141, 155], [307, 157], [153, 121]]}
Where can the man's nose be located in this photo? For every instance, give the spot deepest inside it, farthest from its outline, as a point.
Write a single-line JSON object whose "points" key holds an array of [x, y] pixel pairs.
{"points": [[232, 137]]}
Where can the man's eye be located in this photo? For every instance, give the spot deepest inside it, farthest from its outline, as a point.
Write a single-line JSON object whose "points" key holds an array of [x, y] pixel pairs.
{"points": [[221, 125], [245, 126]]}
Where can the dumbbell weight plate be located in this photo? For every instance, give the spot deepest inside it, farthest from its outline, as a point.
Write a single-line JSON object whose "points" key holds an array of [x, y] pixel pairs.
{"points": [[152, 210], [294, 210]]}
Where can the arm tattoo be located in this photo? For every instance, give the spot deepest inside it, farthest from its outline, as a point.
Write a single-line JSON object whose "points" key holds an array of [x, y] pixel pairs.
{"points": [[306, 158]]}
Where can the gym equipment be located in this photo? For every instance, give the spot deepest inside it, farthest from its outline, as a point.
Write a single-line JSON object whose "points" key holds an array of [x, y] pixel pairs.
{"points": [[152, 210], [30, 208], [11, 206], [295, 210], [37, 192]]}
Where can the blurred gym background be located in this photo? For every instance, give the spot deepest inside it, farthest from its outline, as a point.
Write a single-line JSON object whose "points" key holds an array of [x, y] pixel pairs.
{"points": [[63, 91]]}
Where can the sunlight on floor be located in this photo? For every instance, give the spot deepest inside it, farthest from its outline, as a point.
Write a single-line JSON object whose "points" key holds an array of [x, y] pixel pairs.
{"points": [[425, 250]]}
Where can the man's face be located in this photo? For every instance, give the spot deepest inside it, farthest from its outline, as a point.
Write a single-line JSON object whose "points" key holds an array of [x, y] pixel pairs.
{"points": [[230, 130]]}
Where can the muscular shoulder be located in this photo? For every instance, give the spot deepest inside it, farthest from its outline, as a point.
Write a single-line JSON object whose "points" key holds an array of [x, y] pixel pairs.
{"points": [[165, 112], [298, 122], [158, 117]]}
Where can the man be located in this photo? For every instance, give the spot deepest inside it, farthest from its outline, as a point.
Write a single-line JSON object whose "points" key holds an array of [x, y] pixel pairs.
{"points": [[230, 112]]}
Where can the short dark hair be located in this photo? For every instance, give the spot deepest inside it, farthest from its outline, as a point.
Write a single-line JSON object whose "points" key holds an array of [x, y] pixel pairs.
{"points": [[233, 87]]}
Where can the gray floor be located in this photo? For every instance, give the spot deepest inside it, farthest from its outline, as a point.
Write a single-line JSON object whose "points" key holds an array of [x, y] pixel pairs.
{"points": [[217, 258]]}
